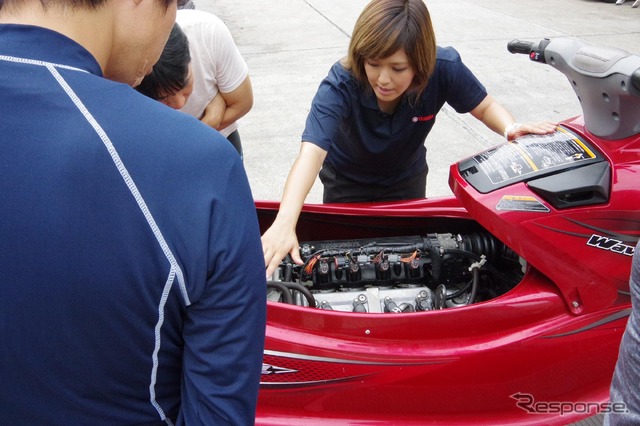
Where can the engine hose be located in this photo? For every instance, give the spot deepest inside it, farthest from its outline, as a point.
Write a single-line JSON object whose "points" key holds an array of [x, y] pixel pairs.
{"points": [[288, 272], [436, 264], [465, 253], [459, 292], [474, 281], [481, 243], [475, 257], [293, 286], [283, 289], [474, 287]]}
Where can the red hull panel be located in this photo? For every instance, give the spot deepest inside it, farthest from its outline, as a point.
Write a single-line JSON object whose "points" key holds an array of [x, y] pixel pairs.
{"points": [[541, 353]]}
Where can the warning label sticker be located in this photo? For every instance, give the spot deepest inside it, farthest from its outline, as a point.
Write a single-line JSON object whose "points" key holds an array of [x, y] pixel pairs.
{"points": [[532, 154], [521, 203]]}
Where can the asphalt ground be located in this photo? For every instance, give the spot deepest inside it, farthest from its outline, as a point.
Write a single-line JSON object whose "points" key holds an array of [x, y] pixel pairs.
{"points": [[290, 45]]}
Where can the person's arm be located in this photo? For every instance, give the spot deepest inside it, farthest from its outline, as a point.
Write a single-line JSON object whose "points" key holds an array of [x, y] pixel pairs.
{"points": [[281, 238], [498, 119], [224, 327], [227, 108]]}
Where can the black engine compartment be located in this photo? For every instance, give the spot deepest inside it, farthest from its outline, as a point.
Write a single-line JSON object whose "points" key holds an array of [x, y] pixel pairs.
{"points": [[398, 274]]}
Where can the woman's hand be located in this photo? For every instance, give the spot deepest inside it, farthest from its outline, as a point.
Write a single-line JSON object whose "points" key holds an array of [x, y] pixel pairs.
{"points": [[278, 241], [498, 119], [516, 130], [281, 238]]}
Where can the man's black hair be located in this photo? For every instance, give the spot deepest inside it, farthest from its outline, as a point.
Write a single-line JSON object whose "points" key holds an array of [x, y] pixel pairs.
{"points": [[92, 4], [170, 74]]}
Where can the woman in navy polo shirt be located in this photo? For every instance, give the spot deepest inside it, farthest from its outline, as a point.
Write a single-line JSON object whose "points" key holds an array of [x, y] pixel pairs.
{"points": [[369, 119]]}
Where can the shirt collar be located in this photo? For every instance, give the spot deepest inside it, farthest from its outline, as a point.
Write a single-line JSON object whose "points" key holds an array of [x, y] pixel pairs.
{"points": [[41, 44], [368, 100]]}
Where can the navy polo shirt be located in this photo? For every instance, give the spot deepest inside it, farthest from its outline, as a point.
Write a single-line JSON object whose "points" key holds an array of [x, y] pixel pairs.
{"points": [[368, 146], [132, 285]]}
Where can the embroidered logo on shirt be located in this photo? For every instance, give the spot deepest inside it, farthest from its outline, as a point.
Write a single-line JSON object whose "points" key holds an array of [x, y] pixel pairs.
{"points": [[422, 118]]}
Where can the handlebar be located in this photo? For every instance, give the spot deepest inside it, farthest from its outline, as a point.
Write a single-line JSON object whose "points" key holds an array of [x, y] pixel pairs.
{"points": [[534, 50], [635, 79], [605, 79], [520, 47]]}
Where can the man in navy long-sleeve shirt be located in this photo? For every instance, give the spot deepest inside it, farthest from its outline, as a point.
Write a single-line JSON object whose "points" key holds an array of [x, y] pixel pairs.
{"points": [[132, 286], [625, 386]]}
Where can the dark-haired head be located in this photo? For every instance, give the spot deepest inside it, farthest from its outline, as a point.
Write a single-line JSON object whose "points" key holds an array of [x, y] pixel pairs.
{"points": [[170, 74], [90, 4], [386, 26]]}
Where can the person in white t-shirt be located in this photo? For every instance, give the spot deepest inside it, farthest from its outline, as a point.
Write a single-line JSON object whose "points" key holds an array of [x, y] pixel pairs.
{"points": [[218, 89]]}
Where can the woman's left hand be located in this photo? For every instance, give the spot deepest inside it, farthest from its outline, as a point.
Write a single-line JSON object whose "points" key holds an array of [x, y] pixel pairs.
{"points": [[540, 128]]}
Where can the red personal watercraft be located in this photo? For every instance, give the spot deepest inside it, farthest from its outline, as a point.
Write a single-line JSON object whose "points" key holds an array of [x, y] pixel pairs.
{"points": [[501, 305]]}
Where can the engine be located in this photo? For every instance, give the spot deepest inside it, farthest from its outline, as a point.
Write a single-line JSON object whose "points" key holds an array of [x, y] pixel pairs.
{"points": [[398, 274]]}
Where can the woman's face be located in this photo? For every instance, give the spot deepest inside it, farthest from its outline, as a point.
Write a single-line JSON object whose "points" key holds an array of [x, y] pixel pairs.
{"points": [[389, 77]]}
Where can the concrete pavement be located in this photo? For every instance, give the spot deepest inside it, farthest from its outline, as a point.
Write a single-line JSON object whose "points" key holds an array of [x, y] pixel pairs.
{"points": [[290, 45]]}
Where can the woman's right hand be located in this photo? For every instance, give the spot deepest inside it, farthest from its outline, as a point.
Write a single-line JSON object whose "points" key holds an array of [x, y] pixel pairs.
{"points": [[278, 241], [281, 238]]}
